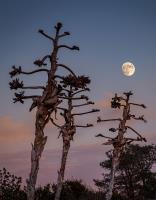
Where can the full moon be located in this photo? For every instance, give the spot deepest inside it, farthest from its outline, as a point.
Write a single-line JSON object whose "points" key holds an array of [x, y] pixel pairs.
{"points": [[128, 69]]}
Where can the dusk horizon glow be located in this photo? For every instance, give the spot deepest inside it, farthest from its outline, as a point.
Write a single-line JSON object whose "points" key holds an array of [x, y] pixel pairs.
{"points": [[109, 33]]}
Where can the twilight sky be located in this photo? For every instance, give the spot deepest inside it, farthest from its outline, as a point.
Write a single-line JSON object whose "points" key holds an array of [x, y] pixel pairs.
{"points": [[108, 32]]}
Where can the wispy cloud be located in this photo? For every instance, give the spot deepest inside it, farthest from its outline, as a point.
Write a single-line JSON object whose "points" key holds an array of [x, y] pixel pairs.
{"points": [[77, 164], [14, 135]]}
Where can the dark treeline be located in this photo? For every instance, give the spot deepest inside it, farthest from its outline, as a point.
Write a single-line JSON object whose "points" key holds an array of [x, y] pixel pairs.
{"points": [[135, 179]]}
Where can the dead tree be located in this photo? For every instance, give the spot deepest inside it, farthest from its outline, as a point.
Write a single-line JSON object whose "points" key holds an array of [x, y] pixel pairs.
{"points": [[120, 141], [45, 103], [72, 88]]}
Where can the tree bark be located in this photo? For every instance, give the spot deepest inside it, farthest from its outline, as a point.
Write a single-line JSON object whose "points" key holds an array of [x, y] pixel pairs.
{"points": [[35, 157], [115, 161], [42, 114], [37, 149], [66, 146]]}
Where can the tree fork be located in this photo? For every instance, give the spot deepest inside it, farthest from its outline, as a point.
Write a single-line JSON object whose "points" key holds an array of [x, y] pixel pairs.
{"points": [[68, 129], [40, 141], [46, 103]]}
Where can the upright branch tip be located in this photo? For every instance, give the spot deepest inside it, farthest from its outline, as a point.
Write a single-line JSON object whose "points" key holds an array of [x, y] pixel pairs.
{"points": [[75, 48], [142, 105], [128, 94], [142, 118], [67, 33], [99, 119], [90, 102], [58, 26], [41, 31]]}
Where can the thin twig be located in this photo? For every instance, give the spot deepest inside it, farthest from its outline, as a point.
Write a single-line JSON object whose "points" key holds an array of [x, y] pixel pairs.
{"points": [[84, 126], [136, 104], [52, 121], [85, 112], [66, 67], [35, 71], [107, 120], [134, 131], [84, 104], [44, 34], [34, 87], [68, 47], [86, 89]]}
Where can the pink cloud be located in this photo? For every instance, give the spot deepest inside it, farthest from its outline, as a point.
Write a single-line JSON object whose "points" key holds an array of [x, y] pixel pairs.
{"points": [[14, 135], [83, 163]]}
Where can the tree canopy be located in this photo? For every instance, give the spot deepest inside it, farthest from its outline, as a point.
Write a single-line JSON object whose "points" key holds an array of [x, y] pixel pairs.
{"points": [[135, 177]]}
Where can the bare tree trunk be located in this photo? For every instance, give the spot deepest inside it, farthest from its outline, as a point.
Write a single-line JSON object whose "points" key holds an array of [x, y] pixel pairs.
{"points": [[112, 175], [66, 146], [37, 149], [120, 142]]}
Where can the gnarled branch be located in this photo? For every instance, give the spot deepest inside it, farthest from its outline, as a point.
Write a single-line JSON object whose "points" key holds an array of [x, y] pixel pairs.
{"points": [[101, 135], [16, 84], [39, 63], [35, 71], [58, 27], [20, 96], [129, 140], [66, 67], [107, 120], [92, 111], [18, 70], [75, 98], [34, 87], [84, 126], [52, 121], [86, 89], [84, 104], [136, 132], [139, 118], [136, 104], [64, 34], [58, 76], [68, 47], [61, 108], [44, 34]]}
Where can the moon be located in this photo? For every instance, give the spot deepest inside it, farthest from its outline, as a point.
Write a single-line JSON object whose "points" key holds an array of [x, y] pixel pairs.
{"points": [[128, 69]]}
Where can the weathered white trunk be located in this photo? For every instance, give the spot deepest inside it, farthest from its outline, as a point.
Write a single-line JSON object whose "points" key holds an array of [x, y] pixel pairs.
{"points": [[35, 157], [36, 152], [60, 179], [112, 176]]}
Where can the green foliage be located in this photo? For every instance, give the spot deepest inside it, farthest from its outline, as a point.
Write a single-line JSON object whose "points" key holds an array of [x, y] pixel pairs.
{"points": [[10, 189], [10, 186], [134, 177], [74, 190], [44, 193]]}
